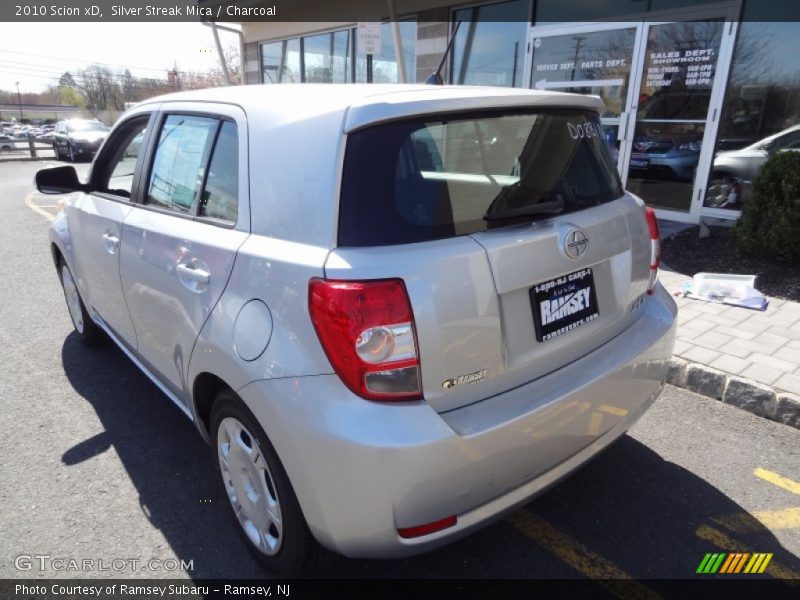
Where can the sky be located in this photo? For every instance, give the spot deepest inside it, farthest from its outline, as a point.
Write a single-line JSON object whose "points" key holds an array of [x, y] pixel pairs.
{"points": [[36, 54]]}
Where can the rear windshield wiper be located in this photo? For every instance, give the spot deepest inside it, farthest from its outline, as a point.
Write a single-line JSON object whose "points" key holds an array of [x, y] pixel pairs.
{"points": [[511, 203]]}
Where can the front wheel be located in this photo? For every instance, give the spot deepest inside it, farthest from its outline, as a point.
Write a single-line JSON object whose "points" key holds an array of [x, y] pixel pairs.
{"points": [[84, 326], [260, 496]]}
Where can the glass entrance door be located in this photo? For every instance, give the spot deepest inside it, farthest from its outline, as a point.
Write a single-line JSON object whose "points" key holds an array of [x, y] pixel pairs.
{"points": [[599, 59], [662, 85], [673, 98]]}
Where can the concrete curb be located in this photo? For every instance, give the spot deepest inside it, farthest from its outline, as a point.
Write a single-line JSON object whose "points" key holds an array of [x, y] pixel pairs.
{"points": [[761, 400]]}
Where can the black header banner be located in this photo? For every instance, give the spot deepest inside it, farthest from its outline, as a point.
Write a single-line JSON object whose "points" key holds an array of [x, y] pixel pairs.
{"points": [[240, 11]]}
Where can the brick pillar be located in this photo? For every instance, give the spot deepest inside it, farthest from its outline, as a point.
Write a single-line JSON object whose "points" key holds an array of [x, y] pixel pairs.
{"points": [[432, 32], [252, 63]]}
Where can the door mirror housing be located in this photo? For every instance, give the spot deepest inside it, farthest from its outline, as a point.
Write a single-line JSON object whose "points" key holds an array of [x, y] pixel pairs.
{"points": [[59, 180]]}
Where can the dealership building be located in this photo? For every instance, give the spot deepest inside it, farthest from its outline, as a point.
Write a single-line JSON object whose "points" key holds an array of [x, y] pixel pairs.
{"points": [[684, 81]]}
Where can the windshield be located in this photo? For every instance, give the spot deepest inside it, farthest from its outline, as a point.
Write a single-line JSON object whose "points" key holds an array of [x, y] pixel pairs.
{"points": [[87, 126], [423, 179]]}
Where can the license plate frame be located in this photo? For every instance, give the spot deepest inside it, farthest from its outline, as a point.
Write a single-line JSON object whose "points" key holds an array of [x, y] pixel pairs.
{"points": [[640, 163], [571, 302]]}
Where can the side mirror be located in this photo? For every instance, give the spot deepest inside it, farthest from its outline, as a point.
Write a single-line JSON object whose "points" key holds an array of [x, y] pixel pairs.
{"points": [[59, 180]]}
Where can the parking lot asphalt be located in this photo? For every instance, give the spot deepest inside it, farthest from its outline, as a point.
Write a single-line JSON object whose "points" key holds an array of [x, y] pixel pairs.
{"points": [[98, 464]]}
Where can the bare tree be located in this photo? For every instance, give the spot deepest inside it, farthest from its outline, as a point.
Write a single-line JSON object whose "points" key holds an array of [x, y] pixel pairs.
{"points": [[101, 89]]}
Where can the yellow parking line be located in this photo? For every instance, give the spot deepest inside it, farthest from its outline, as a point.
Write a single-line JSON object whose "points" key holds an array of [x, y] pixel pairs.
{"points": [[785, 518], [29, 202], [612, 410], [579, 557], [720, 540], [775, 479]]}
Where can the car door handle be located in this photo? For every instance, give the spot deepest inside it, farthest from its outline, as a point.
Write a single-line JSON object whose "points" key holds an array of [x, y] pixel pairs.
{"points": [[197, 275], [111, 242]]}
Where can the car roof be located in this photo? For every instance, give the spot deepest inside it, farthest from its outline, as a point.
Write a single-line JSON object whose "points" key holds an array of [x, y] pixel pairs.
{"points": [[370, 103]]}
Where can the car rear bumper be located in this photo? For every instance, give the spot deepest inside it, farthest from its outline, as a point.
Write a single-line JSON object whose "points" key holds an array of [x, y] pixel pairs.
{"points": [[361, 469]]}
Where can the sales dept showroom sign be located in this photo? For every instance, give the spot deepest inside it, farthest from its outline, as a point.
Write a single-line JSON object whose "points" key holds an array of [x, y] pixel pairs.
{"points": [[694, 67]]}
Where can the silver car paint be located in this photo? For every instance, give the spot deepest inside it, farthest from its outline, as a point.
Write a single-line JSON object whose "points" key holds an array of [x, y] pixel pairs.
{"points": [[475, 452], [397, 465]]}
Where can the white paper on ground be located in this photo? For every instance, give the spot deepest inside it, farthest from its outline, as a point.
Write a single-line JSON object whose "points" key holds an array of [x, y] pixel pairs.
{"points": [[746, 298]]}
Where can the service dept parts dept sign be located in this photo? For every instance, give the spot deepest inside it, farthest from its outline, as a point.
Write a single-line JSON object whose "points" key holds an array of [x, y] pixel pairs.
{"points": [[576, 243]]}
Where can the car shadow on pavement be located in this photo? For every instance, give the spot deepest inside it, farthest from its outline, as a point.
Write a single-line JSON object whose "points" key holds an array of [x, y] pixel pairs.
{"points": [[645, 516]]}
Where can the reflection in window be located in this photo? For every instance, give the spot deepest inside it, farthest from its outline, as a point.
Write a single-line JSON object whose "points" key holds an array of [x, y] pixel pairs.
{"points": [[384, 65], [121, 180], [179, 162], [221, 194], [679, 69], [327, 57], [490, 44], [281, 61], [559, 10], [761, 110], [602, 56]]}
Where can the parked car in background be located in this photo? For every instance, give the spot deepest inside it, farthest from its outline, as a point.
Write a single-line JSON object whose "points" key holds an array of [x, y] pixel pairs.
{"points": [[20, 132], [658, 156], [733, 171], [387, 341], [7, 143], [78, 138]]}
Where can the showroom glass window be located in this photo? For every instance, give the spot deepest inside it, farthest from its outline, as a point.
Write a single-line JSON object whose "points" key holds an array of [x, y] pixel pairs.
{"points": [[761, 106], [561, 10], [328, 57], [280, 62], [384, 65], [490, 44]]}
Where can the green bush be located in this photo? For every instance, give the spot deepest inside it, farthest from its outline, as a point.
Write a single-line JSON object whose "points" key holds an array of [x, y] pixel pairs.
{"points": [[770, 221]]}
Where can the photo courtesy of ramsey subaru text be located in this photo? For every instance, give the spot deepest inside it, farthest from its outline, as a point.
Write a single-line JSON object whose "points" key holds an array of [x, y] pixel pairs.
{"points": [[390, 310]]}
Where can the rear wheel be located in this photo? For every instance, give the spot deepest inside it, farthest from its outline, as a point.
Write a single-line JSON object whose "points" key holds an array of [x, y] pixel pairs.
{"points": [[86, 328], [260, 496]]}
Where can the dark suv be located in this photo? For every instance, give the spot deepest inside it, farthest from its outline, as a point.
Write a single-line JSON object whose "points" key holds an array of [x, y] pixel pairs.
{"points": [[78, 138]]}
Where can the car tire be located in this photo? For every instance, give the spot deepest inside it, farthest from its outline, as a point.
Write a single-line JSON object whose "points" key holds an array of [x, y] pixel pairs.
{"points": [[724, 191], [261, 500], [85, 327]]}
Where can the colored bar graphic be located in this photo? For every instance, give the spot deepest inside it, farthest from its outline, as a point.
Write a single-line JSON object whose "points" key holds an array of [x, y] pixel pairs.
{"points": [[734, 563]]}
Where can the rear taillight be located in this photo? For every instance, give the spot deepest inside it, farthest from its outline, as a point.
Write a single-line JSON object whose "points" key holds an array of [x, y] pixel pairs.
{"points": [[655, 248], [367, 331]]}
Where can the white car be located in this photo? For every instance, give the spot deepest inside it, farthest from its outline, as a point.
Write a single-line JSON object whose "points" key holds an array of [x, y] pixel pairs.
{"points": [[396, 313]]}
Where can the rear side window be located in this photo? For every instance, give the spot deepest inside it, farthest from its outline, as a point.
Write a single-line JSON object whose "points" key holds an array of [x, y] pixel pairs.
{"points": [[443, 176]]}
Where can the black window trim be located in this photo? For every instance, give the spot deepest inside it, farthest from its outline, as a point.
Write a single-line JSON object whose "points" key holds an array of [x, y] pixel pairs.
{"points": [[100, 166], [144, 178]]}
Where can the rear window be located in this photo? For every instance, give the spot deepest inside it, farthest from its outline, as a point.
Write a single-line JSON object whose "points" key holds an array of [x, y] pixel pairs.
{"points": [[443, 176]]}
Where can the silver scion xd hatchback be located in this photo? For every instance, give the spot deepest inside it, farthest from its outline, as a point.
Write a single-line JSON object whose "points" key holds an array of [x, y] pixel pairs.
{"points": [[395, 312]]}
